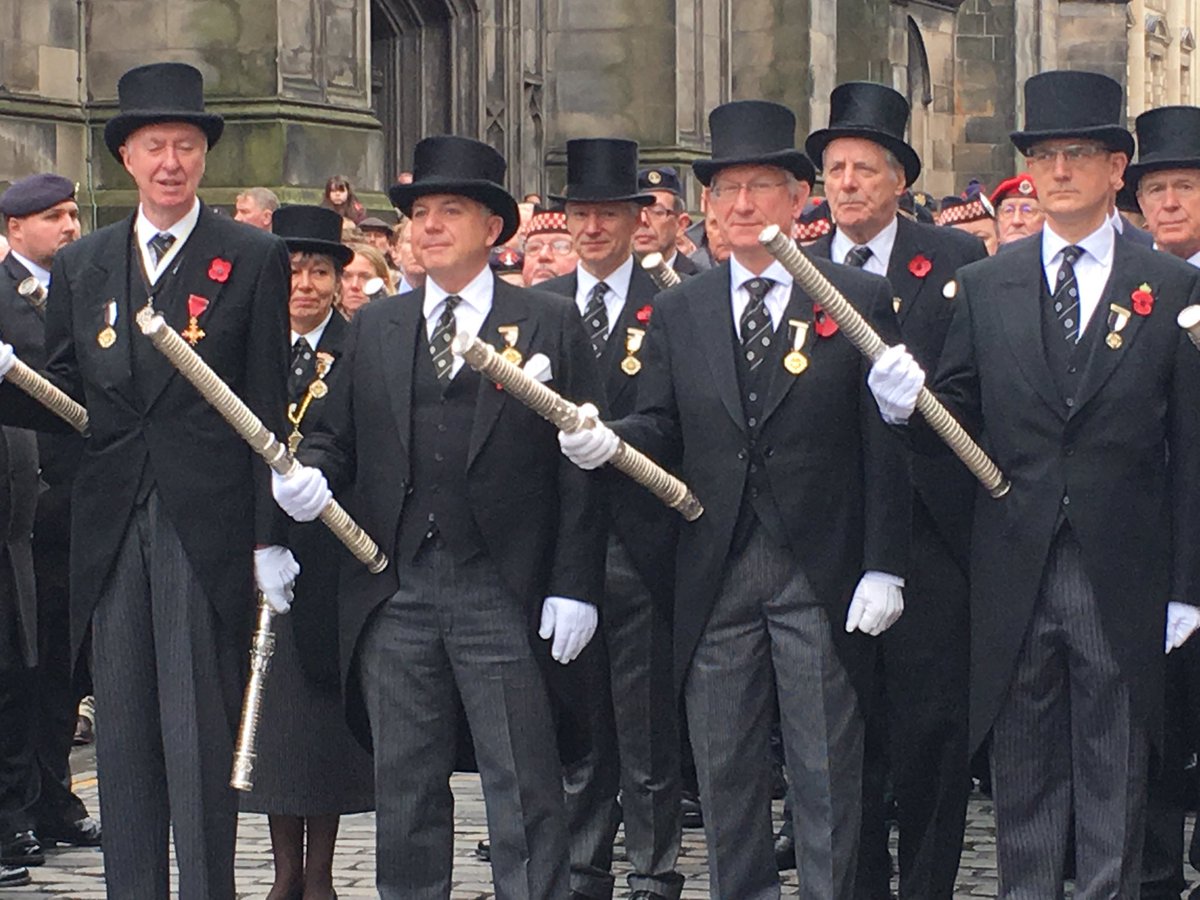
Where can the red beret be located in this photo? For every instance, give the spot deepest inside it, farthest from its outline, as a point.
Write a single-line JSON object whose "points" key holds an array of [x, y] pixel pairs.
{"points": [[1020, 184]]}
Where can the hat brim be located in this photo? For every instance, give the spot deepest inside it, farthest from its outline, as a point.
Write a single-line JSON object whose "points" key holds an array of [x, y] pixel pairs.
{"points": [[490, 194], [339, 253], [1135, 171], [791, 160], [118, 129], [602, 197], [1115, 138], [905, 155]]}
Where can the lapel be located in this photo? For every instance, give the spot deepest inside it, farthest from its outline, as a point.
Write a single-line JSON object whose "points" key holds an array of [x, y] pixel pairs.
{"points": [[18, 273], [641, 291], [509, 307], [103, 280], [905, 285], [800, 306], [712, 308], [397, 348], [1103, 360], [1019, 292]]}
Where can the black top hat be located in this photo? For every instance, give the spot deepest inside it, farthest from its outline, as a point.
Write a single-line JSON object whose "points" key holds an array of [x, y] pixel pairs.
{"points": [[160, 92], [447, 164], [753, 133], [602, 170], [1074, 104], [660, 178], [874, 112], [1168, 138], [312, 229]]}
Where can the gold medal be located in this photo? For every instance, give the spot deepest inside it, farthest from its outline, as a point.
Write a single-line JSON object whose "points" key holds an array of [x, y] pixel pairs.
{"points": [[795, 362], [1114, 340], [1118, 318], [318, 389], [631, 365], [512, 355], [107, 337]]}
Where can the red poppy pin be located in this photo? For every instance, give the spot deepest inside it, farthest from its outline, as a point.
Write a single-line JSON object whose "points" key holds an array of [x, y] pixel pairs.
{"points": [[219, 269], [1143, 300], [643, 314], [920, 265], [824, 325]]}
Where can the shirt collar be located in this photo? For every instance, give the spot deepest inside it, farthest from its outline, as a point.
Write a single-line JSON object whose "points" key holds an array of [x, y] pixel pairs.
{"points": [[1194, 259], [181, 229], [739, 274], [1116, 221], [314, 337], [617, 280], [1099, 244], [42, 275], [881, 244], [477, 294]]}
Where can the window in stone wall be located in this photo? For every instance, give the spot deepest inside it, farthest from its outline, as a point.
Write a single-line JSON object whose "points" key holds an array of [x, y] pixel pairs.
{"points": [[1156, 84]]}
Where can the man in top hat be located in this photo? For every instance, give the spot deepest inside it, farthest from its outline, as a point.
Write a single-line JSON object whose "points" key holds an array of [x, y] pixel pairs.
{"points": [[549, 250], [665, 218], [1018, 213], [1064, 357], [172, 521], [496, 542], [749, 393], [635, 730], [41, 217], [1166, 181], [917, 721]]}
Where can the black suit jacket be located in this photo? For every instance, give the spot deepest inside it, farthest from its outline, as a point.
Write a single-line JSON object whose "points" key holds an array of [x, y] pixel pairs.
{"points": [[684, 266], [538, 514], [646, 527], [214, 488], [1131, 232], [839, 477], [944, 486], [1125, 454]]}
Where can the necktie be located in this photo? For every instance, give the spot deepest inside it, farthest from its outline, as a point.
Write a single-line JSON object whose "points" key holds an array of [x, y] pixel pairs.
{"points": [[1066, 294], [857, 256], [595, 318], [301, 357], [160, 244], [756, 322], [443, 334]]}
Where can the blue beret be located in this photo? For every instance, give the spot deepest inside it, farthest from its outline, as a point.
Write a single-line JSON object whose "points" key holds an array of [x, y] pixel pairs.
{"points": [[35, 193], [660, 178]]}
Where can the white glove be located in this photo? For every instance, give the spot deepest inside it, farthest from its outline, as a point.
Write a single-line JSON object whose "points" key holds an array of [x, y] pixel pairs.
{"points": [[572, 624], [896, 380], [1182, 620], [589, 448], [301, 494], [877, 603], [7, 358], [275, 571]]}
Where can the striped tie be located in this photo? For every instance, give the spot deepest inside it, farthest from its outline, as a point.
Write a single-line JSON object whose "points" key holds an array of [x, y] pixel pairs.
{"points": [[160, 244], [755, 322], [1066, 294], [857, 256], [595, 318], [439, 344]]}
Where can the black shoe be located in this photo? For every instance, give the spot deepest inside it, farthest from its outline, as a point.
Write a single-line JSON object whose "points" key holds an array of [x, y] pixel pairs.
{"points": [[21, 849], [483, 850], [692, 814], [785, 852], [84, 833], [15, 877]]}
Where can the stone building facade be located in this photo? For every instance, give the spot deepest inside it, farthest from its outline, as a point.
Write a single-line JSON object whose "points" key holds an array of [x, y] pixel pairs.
{"points": [[310, 88]]}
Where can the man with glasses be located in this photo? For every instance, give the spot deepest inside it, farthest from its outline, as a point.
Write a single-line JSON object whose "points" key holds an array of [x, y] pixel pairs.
{"points": [[549, 250], [665, 219], [1065, 359], [1018, 213], [750, 393], [917, 718]]}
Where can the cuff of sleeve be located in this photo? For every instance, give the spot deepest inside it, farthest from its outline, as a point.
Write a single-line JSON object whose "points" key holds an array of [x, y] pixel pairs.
{"points": [[884, 577]]}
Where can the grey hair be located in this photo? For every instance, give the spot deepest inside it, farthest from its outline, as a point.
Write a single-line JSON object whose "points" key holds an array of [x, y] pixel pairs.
{"points": [[264, 198]]}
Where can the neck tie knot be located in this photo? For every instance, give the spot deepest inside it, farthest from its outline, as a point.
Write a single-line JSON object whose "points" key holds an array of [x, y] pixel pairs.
{"points": [[160, 244], [857, 256]]}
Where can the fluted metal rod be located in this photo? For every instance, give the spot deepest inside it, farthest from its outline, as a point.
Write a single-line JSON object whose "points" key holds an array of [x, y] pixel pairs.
{"points": [[45, 393], [860, 333], [1189, 321], [556, 409], [262, 648], [656, 267]]}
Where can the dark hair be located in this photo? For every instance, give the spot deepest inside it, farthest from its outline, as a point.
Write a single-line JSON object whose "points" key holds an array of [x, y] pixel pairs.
{"points": [[350, 208]]}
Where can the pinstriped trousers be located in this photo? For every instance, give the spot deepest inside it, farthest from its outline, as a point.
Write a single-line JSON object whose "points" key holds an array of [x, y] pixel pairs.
{"points": [[167, 677], [1065, 735]]}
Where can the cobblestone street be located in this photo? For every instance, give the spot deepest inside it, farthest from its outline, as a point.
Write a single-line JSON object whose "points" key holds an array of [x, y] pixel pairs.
{"points": [[79, 874]]}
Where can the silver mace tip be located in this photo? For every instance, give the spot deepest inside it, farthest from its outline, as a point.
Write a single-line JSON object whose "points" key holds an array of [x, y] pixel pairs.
{"points": [[461, 342], [1189, 317], [652, 260], [768, 234], [150, 322]]}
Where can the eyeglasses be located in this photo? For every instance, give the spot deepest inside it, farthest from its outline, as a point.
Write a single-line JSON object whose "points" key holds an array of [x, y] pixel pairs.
{"points": [[560, 247], [756, 189], [1025, 209], [659, 212], [1071, 154]]}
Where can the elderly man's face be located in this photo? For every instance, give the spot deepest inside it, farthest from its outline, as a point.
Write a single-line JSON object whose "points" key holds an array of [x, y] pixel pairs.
{"points": [[1170, 201], [166, 161]]}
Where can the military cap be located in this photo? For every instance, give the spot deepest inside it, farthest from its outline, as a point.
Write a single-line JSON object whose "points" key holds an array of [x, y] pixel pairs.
{"points": [[660, 178], [547, 220], [35, 193], [1020, 184]]}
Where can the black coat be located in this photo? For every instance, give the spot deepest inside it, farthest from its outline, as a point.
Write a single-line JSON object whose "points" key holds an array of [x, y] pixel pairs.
{"points": [[839, 477], [1125, 454], [539, 515], [215, 489], [943, 484], [647, 528], [684, 266]]}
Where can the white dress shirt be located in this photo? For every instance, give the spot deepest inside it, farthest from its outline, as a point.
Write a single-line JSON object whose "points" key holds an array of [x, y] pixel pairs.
{"points": [[144, 231], [313, 337], [777, 297], [42, 275], [1194, 259], [881, 248], [1116, 221], [614, 298], [1092, 269], [474, 305]]}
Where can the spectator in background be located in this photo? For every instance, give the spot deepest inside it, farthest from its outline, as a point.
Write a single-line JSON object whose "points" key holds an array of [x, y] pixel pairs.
{"points": [[715, 249], [412, 273], [507, 264], [971, 212], [256, 206], [532, 199], [339, 196], [358, 290], [377, 233], [549, 251], [1018, 212]]}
